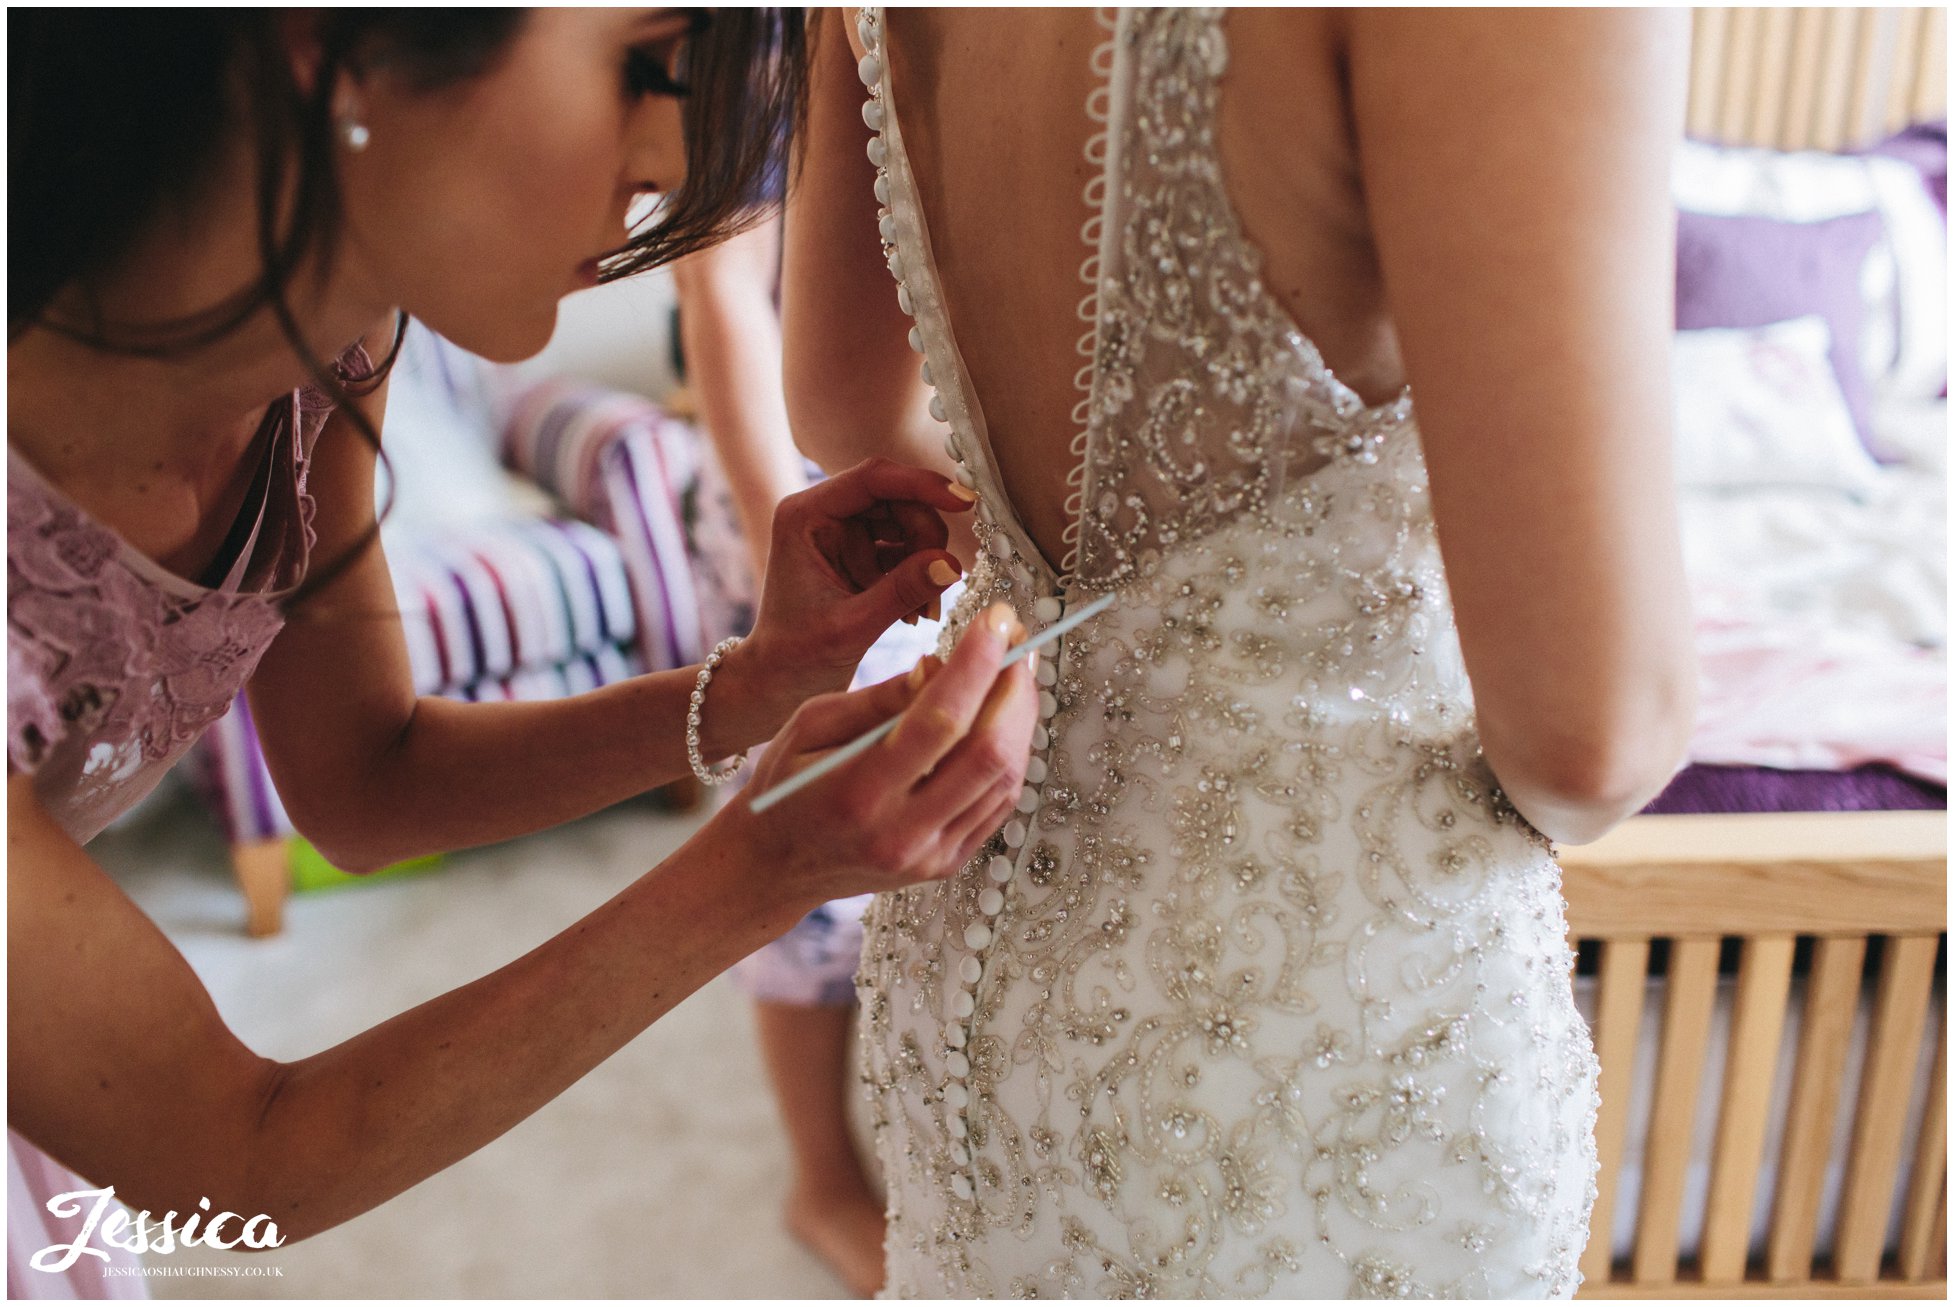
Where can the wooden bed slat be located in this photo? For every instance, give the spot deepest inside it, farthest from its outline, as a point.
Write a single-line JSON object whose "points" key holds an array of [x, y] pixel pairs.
{"points": [[1761, 874], [1927, 1188], [1688, 1286], [1763, 984], [1930, 75], [1618, 1018], [1795, 124], [1739, 72], [1706, 67], [1860, 105], [1906, 978], [1835, 80], [1692, 986], [1825, 1032], [1897, 110], [1764, 120]]}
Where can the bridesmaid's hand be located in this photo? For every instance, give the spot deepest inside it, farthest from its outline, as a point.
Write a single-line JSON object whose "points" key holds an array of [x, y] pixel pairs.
{"points": [[850, 556], [920, 802]]}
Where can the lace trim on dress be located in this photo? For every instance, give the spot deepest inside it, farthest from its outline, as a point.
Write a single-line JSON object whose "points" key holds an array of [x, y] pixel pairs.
{"points": [[1093, 233]]}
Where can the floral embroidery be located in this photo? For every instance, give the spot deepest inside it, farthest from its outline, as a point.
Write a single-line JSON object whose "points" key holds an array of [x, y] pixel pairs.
{"points": [[1266, 991]]}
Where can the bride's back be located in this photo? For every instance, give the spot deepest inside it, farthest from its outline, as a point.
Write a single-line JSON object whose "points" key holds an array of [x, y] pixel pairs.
{"points": [[993, 111], [1499, 178]]}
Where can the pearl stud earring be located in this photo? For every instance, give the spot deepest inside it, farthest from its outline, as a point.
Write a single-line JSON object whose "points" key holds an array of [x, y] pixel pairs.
{"points": [[353, 134]]}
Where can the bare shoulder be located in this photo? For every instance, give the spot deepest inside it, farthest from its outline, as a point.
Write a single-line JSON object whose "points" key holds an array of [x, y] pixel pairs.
{"points": [[1550, 63]]}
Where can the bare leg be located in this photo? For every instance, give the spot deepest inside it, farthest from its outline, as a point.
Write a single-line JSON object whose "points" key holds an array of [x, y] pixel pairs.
{"points": [[833, 1207]]}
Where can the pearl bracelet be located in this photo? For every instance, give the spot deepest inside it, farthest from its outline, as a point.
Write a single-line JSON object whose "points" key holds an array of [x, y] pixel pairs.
{"points": [[699, 768]]}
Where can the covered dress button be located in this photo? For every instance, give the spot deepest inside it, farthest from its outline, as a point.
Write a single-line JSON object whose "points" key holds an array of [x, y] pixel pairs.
{"points": [[881, 184], [1028, 800], [960, 1185], [928, 380], [950, 447], [1001, 547], [990, 903], [903, 302], [1014, 833], [971, 970], [1034, 771], [916, 339], [872, 115], [1040, 737], [895, 265], [886, 224], [870, 69], [1047, 674], [957, 1097], [1000, 872], [937, 410], [963, 1004], [878, 154], [1047, 609], [964, 478], [959, 1154], [1047, 703], [976, 935], [955, 1037], [957, 1065], [865, 30], [958, 1128]]}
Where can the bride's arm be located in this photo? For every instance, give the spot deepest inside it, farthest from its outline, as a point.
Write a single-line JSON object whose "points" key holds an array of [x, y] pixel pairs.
{"points": [[853, 384], [1516, 168]]}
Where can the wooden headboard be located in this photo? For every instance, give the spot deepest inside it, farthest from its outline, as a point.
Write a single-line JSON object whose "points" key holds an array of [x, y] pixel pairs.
{"points": [[1819, 79]]}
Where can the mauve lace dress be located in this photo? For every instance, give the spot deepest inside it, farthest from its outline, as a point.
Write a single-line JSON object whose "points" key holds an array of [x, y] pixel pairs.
{"points": [[114, 667]]}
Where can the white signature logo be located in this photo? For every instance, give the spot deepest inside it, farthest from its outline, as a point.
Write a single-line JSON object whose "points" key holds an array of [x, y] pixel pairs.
{"points": [[118, 1230]]}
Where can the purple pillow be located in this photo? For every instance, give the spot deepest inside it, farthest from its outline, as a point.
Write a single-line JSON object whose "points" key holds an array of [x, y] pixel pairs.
{"points": [[1736, 271], [1924, 147]]}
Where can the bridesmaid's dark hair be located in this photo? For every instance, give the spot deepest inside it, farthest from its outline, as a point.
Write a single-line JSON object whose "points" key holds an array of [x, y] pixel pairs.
{"points": [[118, 116]]}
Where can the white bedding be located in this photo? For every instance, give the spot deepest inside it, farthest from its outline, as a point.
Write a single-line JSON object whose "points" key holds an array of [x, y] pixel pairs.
{"points": [[1821, 614]]}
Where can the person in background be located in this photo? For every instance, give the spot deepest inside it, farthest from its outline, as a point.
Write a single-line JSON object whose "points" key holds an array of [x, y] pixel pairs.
{"points": [[219, 222], [803, 984]]}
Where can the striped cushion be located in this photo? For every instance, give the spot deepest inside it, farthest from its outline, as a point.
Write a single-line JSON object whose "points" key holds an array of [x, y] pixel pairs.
{"points": [[499, 597], [619, 461], [229, 767]]}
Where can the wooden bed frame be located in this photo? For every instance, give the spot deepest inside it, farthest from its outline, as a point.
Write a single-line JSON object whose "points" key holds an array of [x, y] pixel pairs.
{"points": [[1788, 79], [1764, 880]]}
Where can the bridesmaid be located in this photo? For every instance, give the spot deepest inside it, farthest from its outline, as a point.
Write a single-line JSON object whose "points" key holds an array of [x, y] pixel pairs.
{"points": [[206, 204]]}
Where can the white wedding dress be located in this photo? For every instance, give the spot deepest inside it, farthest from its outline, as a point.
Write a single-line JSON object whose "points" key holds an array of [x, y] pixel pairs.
{"points": [[1266, 989]]}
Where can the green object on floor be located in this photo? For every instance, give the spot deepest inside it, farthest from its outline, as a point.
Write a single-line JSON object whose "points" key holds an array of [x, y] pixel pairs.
{"points": [[310, 870]]}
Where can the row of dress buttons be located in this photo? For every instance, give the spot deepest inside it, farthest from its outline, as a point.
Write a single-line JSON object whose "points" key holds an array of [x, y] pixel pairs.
{"points": [[1047, 609], [977, 936]]}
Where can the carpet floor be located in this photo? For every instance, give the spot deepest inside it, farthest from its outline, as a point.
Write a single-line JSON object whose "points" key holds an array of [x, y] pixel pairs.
{"points": [[659, 1175]]}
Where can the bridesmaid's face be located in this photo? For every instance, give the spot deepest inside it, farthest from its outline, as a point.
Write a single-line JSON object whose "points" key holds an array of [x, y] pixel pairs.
{"points": [[478, 206]]}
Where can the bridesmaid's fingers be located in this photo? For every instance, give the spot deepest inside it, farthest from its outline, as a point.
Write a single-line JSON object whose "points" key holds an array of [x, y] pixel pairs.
{"points": [[1001, 734], [940, 717], [917, 526], [972, 839]]}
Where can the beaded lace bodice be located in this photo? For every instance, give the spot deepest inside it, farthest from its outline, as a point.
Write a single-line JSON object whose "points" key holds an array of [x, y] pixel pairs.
{"points": [[1265, 989]]}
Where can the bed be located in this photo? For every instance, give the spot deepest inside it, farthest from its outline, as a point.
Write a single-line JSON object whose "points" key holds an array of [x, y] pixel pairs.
{"points": [[1762, 953]]}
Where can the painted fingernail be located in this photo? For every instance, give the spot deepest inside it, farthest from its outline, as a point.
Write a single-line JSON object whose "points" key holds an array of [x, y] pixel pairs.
{"points": [[1000, 619], [963, 492], [942, 572]]}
